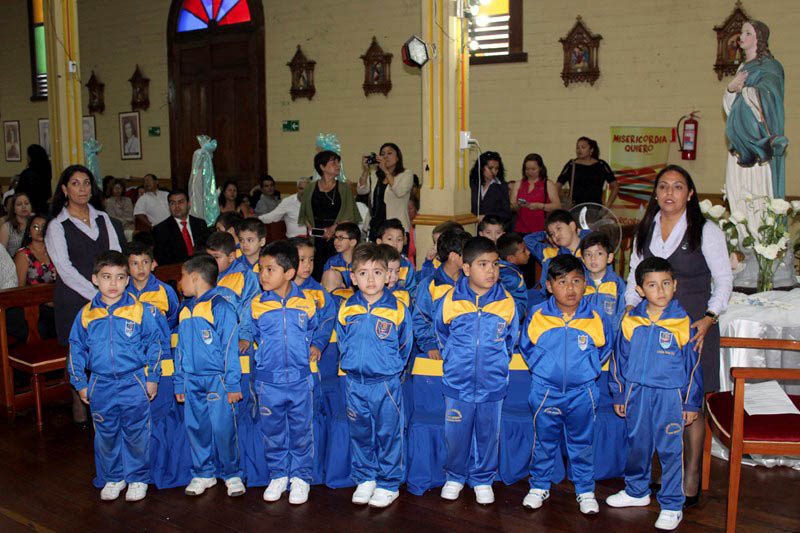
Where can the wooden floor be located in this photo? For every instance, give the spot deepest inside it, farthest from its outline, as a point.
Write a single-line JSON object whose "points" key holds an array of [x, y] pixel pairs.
{"points": [[45, 484]]}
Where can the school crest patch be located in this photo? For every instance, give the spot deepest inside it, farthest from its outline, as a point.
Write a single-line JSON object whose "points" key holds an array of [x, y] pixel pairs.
{"points": [[665, 339], [609, 306], [206, 335], [583, 342], [129, 328], [383, 328]]}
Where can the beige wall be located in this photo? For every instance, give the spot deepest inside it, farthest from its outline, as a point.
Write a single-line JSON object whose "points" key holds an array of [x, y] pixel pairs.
{"points": [[656, 59]]}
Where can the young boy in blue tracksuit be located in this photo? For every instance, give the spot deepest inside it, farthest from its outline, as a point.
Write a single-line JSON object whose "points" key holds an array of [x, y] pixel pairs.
{"points": [[513, 256], [208, 377], [374, 334], [491, 227], [432, 262], [565, 343], [237, 282], [657, 386], [394, 260], [282, 322], [336, 271], [146, 287], [391, 232], [477, 328], [605, 289], [252, 236], [119, 341]]}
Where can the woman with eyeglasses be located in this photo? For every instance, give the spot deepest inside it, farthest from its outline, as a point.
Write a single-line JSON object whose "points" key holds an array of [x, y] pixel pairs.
{"points": [[494, 199]]}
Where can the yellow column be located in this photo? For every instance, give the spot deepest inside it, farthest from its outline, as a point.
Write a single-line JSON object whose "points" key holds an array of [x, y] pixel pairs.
{"points": [[63, 83], [444, 193]]}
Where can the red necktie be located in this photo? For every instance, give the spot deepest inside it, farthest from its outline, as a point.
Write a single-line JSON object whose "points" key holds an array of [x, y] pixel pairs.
{"points": [[187, 239]]}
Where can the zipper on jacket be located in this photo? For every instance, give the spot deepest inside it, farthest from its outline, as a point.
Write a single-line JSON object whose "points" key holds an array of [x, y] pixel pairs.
{"points": [[477, 347], [564, 369], [285, 340], [111, 343]]}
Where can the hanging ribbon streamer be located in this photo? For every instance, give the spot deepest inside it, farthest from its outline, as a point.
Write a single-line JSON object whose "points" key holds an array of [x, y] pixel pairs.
{"points": [[203, 183], [90, 150], [329, 141]]}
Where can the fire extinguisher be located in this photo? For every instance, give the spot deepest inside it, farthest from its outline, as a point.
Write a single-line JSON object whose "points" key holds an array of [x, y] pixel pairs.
{"points": [[687, 139]]}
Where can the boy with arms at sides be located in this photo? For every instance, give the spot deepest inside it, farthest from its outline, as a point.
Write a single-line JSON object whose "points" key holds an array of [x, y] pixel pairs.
{"points": [[229, 223], [146, 287], [282, 322], [208, 377], [252, 236], [491, 228], [374, 335], [513, 256], [431, 259], [565, 343], [120, 342], [431, 289], [657, 386], [477, 329], [336, 272], [391, 232], [605, 290]]}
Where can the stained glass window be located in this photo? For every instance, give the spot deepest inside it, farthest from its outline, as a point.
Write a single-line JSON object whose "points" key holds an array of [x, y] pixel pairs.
{"points": [[200, 14], [38, 50]]}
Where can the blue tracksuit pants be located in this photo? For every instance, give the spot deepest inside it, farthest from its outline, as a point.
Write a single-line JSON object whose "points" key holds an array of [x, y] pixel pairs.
{"points": [[654, 420], [286, 413], [121, 415], [472, 436], [570, 414], [377, 447], [211, 425]]}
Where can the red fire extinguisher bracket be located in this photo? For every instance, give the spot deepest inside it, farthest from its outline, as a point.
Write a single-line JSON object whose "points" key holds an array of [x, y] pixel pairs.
{"points": [[688, 136]]}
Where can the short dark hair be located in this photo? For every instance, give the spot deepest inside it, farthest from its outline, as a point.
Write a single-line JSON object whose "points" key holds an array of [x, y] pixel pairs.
{"points": [[221, 241], [391, 223], [476, 247], [559, 215], [139, 248], [266, 177], [254, 225], [389, 252], [596, 238], [490, 221], [366, 252], [652, 264], [230, 219], [284, 252], [110, 258], [446, 225], [563, 264], [205, 265], [302, 242], [176, 192], [323, 158], [451, 241], [353, 232], [508, 244]]}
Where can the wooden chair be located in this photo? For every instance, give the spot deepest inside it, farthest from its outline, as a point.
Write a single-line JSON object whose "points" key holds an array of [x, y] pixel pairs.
{"points": [[35, 356], [743, 433]]}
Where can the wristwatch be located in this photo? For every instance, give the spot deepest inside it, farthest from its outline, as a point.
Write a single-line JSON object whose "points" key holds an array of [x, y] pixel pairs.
{"points": [[713, 316]]}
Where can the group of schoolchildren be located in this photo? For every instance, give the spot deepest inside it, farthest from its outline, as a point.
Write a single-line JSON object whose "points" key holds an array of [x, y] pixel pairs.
{"points": [[249, 302]]}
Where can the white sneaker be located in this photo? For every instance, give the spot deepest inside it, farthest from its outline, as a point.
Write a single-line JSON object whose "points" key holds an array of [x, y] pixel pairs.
{"points": [[136, 492], [484, 494], [588, 503], [383, 498], [669, 520], [535, 498], [112, 490], [364, 492], [276, 489], [198, 485], [623, 499], [235, 486], [451, 490], [299, 492]]}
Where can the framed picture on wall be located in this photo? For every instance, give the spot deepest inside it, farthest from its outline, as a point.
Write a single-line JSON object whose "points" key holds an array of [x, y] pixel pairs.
{"points": [[89, 131], [11, 137], [44, 134], [130, 134]]}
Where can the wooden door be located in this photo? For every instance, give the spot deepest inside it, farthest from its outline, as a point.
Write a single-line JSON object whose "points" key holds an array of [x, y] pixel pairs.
{"points": [[217, 88]]}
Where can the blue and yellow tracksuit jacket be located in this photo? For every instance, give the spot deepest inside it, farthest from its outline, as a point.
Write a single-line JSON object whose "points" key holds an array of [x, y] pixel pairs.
{"points": [[429, 291], [208, 341], [238, 285], [543, 250], [159, 295], [375, 340], [115, 341], [404, 296], [326, 312], [283, 329], [429, 267], [565, 355], [340, 265], [247, 264], [657, 354], [408, 277], [607, 297], [513, 281], [476, 335]]}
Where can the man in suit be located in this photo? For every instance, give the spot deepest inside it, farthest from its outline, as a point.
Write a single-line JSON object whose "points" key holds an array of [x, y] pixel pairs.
{"points": [[179, 236]]}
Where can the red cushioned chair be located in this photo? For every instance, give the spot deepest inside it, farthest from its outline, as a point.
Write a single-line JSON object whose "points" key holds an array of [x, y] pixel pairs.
{"points": [[745, 434]]}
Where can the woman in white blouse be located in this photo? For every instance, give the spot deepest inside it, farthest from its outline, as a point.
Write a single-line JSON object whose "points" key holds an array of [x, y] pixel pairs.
{"points": [[673, 228], [389, 185]]}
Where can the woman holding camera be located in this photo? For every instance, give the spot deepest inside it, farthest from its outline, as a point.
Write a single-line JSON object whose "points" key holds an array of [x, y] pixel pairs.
{"points": [[388, 184]]}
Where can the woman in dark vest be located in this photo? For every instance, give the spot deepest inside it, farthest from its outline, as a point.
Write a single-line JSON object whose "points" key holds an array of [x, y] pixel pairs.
{"points": [[79, 232], [674, 228]]}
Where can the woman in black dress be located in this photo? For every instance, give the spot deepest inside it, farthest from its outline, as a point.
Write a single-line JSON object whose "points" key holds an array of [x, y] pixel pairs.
{"points": [[488, 187], [35, 179], [586, 174]]}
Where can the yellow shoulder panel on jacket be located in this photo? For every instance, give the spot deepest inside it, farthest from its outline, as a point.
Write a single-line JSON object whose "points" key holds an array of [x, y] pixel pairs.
{"points": [[233, 281], [541, 323], [679, 327], [504, 308], [630, 323], [452, 309], [258, 307], [204, 310], [157, 298], [350, 310], [305, 303], [89, 315], [131, 312], [396, 315], [592, 326]]}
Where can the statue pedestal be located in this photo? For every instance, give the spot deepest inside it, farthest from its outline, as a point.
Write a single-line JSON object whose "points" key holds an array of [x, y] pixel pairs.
{"points": [[784, 274]]}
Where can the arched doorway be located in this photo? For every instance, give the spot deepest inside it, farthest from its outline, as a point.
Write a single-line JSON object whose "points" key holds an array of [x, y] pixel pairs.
{"points": [[217, 87]]}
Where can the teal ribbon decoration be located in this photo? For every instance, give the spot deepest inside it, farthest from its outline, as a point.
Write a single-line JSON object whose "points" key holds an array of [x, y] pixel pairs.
{"points": [[203, 182], [90, 150], [329, 141]]}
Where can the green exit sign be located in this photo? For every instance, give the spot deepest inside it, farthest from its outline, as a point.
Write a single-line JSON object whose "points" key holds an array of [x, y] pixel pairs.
{"points": [[155, 131], [291, 125]]}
